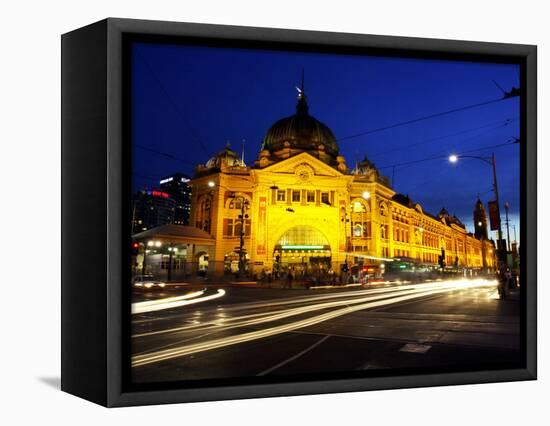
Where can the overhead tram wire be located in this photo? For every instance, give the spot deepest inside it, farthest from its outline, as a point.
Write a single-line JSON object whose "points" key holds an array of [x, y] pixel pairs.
{"points": [[427, 117], [175, 106], [439, 157], [173, 157], [165, 154], [494, 125]]}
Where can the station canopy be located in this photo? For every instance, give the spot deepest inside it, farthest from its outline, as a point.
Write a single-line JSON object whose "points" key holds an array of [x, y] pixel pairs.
{"points": [[181, 234]]}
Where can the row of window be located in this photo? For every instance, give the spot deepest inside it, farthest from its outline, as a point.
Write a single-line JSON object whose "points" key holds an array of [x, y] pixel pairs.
{"points": [[400, 235], [401, 253], [430, 240], [398, 218], [430, 257], [296, 196]]}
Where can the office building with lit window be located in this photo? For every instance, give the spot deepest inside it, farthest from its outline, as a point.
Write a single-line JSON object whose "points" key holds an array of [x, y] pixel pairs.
{"points": [[178, 189], [152, 208]]}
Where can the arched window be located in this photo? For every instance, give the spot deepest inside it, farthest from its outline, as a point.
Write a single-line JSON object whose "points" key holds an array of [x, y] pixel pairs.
{"points": [[384, 231], [203, 213], [235, 204], [383, 210], [232, 221], [360, 217]]}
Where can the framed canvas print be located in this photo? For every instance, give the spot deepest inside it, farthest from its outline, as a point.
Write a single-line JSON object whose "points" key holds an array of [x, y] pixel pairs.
{"points": [[253, 212]]}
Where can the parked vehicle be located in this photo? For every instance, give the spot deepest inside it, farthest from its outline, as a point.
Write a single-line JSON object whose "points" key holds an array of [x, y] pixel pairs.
{"points": [[147, 282]]}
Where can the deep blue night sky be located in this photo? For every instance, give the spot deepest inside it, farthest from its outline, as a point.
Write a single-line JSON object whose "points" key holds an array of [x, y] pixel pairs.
{"points": [[188, 101]]}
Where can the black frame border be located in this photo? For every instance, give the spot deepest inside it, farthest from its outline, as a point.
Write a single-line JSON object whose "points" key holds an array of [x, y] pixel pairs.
{"points": [[119, 31]]}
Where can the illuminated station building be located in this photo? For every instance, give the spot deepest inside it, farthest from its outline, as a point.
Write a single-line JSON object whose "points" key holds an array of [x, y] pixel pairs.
{"points": [[306, 210]]}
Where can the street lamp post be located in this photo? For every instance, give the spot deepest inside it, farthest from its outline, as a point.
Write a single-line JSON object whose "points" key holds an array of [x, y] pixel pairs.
{"points": [[243, 216], [492, 162], [509, 246]]}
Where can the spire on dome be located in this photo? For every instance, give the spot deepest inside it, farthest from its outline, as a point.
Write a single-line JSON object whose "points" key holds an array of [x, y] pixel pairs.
{"points": [[302, 106]]}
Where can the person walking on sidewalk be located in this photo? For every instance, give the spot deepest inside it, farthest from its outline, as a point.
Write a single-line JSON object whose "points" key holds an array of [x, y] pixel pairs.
{"points": [[503, 278]]}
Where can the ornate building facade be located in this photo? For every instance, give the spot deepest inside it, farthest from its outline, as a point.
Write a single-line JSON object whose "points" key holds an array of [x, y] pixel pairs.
{"points": [[304, 207]]}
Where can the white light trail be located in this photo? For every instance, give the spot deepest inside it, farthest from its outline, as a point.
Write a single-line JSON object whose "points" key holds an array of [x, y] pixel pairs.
{"points": [[161, 304], [169, 299], [289, 301], [425, 290], [273, 316]]}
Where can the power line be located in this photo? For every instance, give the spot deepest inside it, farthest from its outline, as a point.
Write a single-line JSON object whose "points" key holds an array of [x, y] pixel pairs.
{"points": [[427, 117], [439, 157], [164, 154], [494, 125]]}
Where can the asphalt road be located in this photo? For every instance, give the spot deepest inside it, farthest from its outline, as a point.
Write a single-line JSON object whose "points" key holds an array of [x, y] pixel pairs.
{"points": [[188, 333]]}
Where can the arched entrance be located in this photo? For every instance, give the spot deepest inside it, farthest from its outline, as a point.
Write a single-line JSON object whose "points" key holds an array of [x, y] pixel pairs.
{"points": [[304, 249]]}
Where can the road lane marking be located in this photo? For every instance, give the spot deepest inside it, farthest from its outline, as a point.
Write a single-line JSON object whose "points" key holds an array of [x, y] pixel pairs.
{"points": [[415, 348], [370, 366], [292, 358]]}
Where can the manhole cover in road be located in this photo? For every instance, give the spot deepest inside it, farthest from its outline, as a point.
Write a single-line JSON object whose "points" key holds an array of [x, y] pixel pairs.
{"points": [[415, 348]]}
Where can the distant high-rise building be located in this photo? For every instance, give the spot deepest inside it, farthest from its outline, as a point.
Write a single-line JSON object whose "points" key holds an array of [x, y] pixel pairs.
{"points": [[177, 187], [152, 208], [480, 221]]}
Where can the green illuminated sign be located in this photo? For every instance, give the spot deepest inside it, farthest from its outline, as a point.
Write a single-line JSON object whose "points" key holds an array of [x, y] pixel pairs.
{"points": [[302, 247]]}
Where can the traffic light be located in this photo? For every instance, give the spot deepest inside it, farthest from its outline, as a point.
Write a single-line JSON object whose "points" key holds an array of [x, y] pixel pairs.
{"points": [[135, 248]]}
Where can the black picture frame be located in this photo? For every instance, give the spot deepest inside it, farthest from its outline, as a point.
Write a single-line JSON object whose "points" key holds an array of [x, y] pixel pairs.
{"points": [[95, 156]]}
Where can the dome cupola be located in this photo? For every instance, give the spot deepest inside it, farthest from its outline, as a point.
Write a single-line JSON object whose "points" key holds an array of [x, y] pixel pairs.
{"points": [[301, 132], [226, 157]]}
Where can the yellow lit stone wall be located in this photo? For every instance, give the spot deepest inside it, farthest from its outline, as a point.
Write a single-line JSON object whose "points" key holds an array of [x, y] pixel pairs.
{"points": [[353, 214]]}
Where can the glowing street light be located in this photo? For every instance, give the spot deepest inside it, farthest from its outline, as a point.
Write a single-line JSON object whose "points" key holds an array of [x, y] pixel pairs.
{"points": [[211, 184], [501, 252], [366, 195]]}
